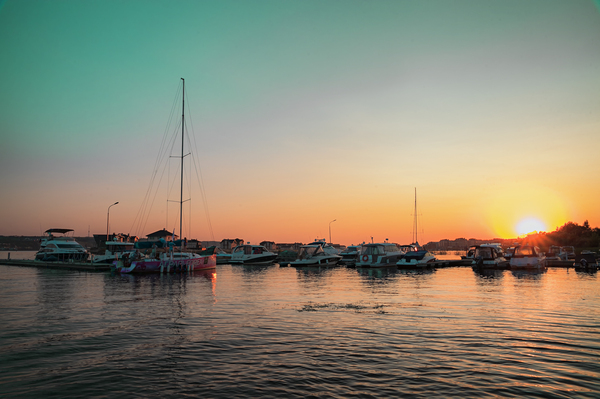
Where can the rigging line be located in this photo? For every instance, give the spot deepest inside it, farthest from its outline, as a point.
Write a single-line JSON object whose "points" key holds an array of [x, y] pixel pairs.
{"points": [[164, 162], [203, 195], [199, 174], [143, 206]]}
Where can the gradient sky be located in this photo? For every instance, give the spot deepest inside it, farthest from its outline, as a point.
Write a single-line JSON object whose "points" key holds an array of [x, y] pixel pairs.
{"points": [[304, 112]]}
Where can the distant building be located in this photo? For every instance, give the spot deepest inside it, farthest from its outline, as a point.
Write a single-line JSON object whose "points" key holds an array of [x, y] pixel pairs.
{"points": [[228, 244], [289, 247], [167, 235], [194, 244], [270, 245]]}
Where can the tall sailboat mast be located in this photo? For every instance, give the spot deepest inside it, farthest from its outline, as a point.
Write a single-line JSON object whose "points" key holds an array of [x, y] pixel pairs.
{"points": [[415, 226], [182, 141]]}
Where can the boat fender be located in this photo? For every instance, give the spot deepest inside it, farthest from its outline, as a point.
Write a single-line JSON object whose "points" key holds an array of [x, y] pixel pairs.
{"points": [[365, 258]]}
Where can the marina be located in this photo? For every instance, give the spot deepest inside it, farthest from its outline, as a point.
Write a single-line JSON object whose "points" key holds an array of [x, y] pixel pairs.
{"points": [[102, 267]]}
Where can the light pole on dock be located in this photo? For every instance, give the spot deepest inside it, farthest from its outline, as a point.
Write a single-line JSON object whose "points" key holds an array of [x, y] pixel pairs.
{"points": [[108, 217], [330, 230]]}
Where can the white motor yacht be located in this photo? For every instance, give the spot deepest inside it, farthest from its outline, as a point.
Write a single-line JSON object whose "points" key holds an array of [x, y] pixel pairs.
{"points": [[60, 248], [379, 255], [251, 255], [416, 259], [489, 256], [315, 255], [527, 257]]}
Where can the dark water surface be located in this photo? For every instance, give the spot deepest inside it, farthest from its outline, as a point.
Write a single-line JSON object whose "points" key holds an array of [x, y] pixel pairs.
{"points": [[246, 331]]}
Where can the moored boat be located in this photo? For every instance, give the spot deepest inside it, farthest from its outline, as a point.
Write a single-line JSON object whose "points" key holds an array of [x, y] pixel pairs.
{"points": [[379, 255], [527, 257], [222, 256], [248, 254], [489, 256], [315, 255], [416, 259], [114, 251], [169, 260], [349, 255], [166, 262], [60, 248]]}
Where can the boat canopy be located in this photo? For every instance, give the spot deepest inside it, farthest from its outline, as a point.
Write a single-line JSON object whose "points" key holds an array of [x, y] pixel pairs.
{"points": [[61, 231], [308, 251], [416, 255]]}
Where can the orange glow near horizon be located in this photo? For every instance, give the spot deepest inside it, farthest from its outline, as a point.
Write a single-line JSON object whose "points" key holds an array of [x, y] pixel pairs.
{"points": [[522, 211]]}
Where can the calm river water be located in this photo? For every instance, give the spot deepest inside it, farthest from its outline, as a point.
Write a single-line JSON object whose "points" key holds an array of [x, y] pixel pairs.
{"points": [[245, 331]]}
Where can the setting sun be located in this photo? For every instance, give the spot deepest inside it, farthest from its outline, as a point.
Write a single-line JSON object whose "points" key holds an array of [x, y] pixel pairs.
{"points": [[530, 225]]}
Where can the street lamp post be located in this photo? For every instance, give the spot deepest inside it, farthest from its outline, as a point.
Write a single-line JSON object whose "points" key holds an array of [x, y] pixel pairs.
{"points": [[330, 230], [108, 217]]}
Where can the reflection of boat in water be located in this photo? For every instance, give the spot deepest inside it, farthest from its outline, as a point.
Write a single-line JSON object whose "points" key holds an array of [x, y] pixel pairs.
{"points": [[488, 256], [379, 255], [527, 257], [248, 254], [416, 259], [60, 248], [315, 255]]}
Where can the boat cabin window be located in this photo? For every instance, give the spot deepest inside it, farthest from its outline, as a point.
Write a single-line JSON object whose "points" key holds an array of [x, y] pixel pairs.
{"points": [[391, 248], [238, 249], [525, 251], [71, 246], [485, 253], [307, 252], [373, 250]]}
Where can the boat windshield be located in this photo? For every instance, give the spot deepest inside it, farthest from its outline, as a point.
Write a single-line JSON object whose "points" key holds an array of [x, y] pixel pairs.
{"points": [[308, 252], [484, 253], [373, 250], [350, 250], [69, 246], [525, 251]]}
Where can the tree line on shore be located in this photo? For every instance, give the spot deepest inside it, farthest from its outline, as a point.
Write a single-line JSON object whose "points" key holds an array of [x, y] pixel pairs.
{"points": [[579, 236]]}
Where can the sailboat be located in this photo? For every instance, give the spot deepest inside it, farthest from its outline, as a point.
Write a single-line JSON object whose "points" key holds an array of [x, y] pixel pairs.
{"points": [[418, 256], [168, 260]]}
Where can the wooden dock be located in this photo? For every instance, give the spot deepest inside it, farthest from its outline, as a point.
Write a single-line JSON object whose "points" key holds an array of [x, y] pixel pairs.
{"points": [[82, 266]]}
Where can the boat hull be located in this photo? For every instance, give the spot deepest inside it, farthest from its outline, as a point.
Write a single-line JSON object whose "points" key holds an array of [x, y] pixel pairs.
{"points": [[62, 257], [257, 260], [526, 263], [380, 261], [167, 265], [325, 261]]}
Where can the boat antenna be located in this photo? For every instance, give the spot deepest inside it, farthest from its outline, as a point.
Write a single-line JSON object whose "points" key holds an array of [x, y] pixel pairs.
{"points": [[182, 132]]}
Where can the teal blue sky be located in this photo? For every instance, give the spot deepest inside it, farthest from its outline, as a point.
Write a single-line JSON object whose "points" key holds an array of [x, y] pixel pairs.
{"points": [[328, 109]]}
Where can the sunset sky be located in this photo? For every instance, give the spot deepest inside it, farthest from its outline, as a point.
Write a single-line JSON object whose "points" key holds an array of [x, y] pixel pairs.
{"points": [[303, 112]]}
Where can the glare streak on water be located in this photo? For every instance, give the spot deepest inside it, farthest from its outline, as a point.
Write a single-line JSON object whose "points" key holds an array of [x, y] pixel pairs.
{"points": [[284, 332]]}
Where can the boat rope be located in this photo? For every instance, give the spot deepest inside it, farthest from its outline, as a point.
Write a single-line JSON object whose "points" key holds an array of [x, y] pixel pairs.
{"points": [[199, 171], [139, 222]]}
